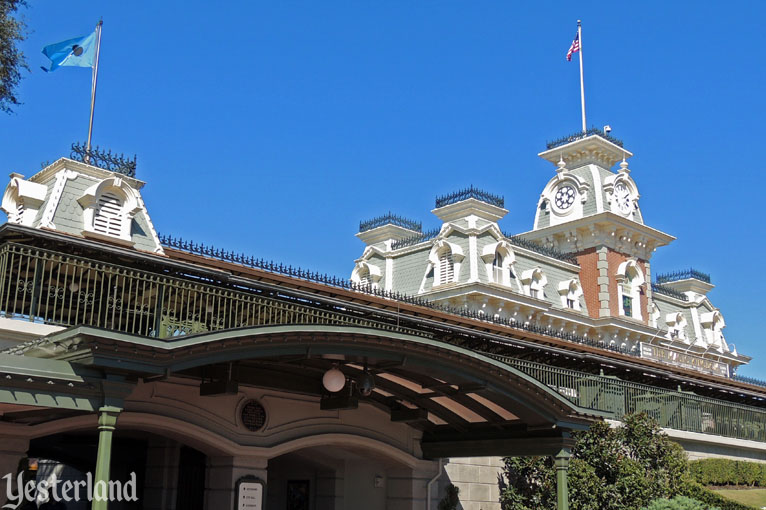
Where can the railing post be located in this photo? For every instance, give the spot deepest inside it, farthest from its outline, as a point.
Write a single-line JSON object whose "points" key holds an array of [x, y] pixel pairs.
{"points": [[561, 461], [35, 289], [158, 309]]}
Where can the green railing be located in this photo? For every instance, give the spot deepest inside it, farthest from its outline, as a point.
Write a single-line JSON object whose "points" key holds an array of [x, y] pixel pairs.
{"points": [[54, 288], [672, 409]]}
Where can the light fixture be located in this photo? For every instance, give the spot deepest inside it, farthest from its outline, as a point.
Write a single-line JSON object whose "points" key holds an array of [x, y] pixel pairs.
{"points": [[333, 380], [74, 287], [366, 383]]}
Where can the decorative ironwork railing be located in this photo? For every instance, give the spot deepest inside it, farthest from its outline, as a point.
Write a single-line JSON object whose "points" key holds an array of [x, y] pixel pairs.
{"points": [[672, 409], [580, 135], [684, 274], [662, 289], [106, 160], [391, 219], [420, 238], [467, 193], [542, 250], [44, 286], [272, 267], [749, 380], [54, 288]]}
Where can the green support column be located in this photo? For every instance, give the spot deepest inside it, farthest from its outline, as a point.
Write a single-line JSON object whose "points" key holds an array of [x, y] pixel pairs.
{"points": [[107, 419], [561, 461]]}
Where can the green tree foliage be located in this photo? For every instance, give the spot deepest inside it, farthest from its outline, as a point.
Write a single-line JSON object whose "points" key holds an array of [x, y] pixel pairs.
{"points": [[623, 468], [12, 31], [679, 503], [451, 499]]}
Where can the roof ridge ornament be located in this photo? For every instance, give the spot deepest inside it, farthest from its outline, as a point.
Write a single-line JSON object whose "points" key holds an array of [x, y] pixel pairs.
{"points": [[105, 160]]}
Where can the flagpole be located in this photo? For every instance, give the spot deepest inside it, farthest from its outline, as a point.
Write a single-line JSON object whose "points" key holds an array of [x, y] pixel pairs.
{"points": [[95, 81], [582, 82]]}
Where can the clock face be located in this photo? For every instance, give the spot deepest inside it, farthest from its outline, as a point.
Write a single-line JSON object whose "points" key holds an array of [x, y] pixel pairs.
{"points": [[622, 196], [565, 197]]}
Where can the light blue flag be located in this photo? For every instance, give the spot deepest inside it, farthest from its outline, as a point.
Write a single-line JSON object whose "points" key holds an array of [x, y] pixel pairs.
{"points": [[79, 52]]}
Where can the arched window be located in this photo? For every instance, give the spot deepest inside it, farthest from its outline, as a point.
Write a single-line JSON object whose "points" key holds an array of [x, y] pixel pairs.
{"points": [[109, 207], [444, 261], [499, 259], [630, 278], [446, 267], [497, 268], [108, 216]]}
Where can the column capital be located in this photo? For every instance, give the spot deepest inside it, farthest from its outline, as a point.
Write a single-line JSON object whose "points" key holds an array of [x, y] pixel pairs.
{"points": [[107, 417], [561, 459]]}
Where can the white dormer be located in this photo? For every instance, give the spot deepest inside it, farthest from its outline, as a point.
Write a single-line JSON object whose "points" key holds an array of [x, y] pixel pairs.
{"points": [[534, 281], [676, 323], [499, 260], [22, 200], [712, 329], [108, 209], [570, 292]]}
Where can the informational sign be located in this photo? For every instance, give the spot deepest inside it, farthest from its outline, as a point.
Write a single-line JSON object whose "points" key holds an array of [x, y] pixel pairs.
{"points": [[665, 355], [249, 493], [253, 415]]}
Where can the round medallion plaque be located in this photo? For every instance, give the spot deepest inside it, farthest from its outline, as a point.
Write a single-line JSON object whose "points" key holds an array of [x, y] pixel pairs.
{"points": [[253, 415]]}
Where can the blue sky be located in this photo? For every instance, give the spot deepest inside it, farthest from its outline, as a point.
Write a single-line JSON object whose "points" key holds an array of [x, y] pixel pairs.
{"points": [[274, 127]]}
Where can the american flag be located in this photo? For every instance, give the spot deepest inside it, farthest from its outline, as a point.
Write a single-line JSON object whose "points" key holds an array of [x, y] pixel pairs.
{"points": [[575, 46]]}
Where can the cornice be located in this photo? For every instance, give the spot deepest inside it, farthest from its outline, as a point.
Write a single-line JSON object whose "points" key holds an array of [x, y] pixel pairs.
{"points": [[602, 229], [85, 169]]}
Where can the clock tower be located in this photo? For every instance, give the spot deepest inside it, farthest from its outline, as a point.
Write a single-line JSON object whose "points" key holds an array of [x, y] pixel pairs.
{"points": [[593, 212]]}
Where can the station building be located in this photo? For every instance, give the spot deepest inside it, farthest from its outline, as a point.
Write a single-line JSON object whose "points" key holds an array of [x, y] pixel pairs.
{"points": [[222, 380]]}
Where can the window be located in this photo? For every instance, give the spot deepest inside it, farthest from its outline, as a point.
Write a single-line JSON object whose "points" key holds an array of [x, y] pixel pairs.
{"points": [[108, 217], [570, 303], [673, 333], [627, 306], [535, 293], [630, 281], [365, 280], [497, 268], [446, 267]]}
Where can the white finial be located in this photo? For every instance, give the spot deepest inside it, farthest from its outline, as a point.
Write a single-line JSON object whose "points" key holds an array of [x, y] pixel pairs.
{"points": [[624, 166], [561, 164]]}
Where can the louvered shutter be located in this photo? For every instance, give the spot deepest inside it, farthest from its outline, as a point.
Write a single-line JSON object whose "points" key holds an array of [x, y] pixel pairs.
{"points": [[446, 267], [108, 217]]}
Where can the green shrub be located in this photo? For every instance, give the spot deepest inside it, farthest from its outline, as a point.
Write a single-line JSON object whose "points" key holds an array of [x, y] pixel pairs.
{"points": [[728, 472], [621, 468], [678, 503]]}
